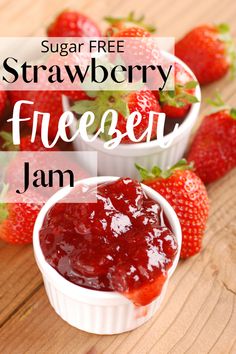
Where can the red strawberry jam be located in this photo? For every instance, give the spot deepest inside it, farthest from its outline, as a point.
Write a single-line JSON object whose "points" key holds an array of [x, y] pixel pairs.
{"points": [[120, 243]]}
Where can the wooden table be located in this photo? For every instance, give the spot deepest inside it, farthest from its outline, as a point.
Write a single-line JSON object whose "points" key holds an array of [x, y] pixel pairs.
{"points": [[199, 312]]}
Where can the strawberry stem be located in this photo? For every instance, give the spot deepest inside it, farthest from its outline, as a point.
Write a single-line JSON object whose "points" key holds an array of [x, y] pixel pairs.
{"points": [[180, 96], [233, 113], [217, 101], [220, 105], [225, 36], [103, 101], [130, 19], [156, 171]]}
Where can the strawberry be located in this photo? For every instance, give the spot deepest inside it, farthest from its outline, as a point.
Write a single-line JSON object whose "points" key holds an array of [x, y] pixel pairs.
{"points": [[76, 95], [3, 101], [124, 103], [48, 101], [119, 23], [25, 143], [44, 101], [142, 101], [17, 219], [176, 104], [142, 49], [139, 50], [73, 24], [209, 51], [132, 32], [186, 193], [213, 149]]}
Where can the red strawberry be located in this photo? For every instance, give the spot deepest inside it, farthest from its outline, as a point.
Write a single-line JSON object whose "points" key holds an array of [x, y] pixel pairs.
{"points": [[139, 50], [37, 145], [186, 193], [143, 50], [132, 32], [3, 101], [213, 149], [124, 103], [76, 95], [209, 52], [120, 23], [48, 101], [176, 104], [25, 143], [142, 101], [73, 24], [44, 101], [17, 219]]}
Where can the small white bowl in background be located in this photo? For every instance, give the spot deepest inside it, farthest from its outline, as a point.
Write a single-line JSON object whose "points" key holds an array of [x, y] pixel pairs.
{"points": [[94, 311], [121, 160]]}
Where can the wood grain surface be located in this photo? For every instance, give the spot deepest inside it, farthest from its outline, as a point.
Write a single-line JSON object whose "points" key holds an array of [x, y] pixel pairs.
{"points": [[199, 312]]}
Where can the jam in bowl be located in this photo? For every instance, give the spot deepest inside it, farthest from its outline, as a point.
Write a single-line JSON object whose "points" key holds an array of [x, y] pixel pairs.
{"points": [[116, 254]]}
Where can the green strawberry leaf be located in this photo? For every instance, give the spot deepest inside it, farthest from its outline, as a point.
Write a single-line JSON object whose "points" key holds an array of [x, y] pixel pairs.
{"points": [[233, 113], [94, 127], [122, 107], [83, 106], [182, 165], [181, 96], [217, 101], [232, 57], [104, 100], [3, 206], [8, 141], [3, 212], [220, 105], [130, 19], [156, 171], [105, 134], [113, 20], [223, 28], [171, 94], [92, 94], [144, 173], [225, 36], [190, 85], [178, 104], [190, 98]]}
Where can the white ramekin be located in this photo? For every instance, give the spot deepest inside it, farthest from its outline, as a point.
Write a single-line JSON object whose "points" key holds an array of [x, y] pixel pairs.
{"points": [[95, 311], [121, 160]]}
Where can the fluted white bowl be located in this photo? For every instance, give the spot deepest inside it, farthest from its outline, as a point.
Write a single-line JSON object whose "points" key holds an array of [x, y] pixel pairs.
{"points": [[121, 160], [94, 311]]}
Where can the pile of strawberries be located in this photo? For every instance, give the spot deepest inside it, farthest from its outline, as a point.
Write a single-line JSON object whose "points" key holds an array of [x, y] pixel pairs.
{"points": [[209, 51]]}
